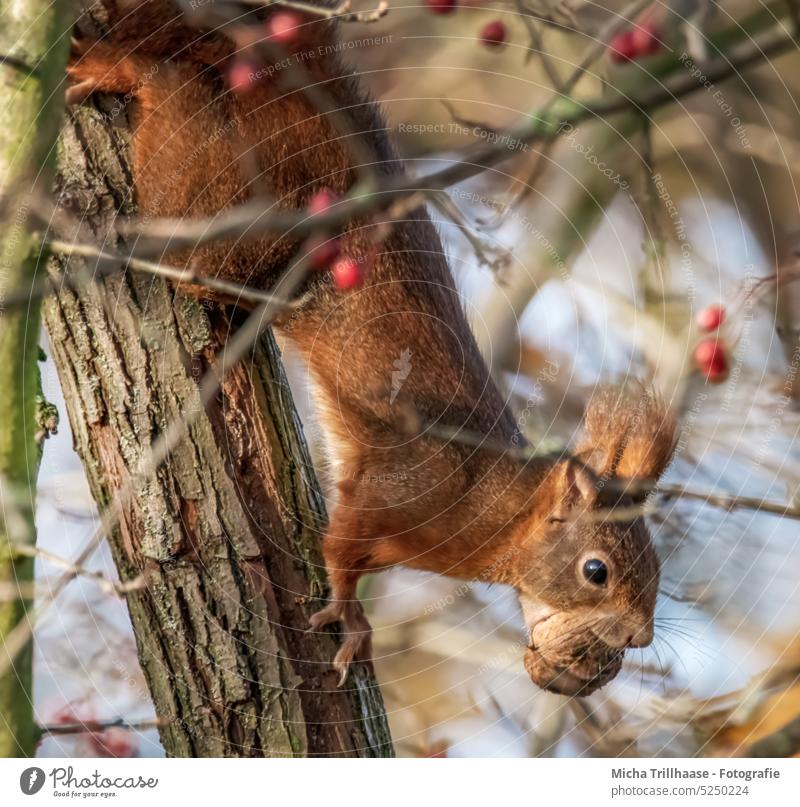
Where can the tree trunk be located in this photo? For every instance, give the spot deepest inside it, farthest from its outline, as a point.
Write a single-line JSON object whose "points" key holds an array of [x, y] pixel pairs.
{"points": [[34, 58], [226, 533]]}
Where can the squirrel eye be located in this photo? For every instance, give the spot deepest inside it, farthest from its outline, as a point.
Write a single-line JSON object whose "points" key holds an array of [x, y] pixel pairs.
{"points": [[595, 571]]}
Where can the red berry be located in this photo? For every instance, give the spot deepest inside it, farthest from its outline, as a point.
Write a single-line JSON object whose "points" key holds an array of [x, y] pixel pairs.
{"points": [[644, 39], [284, 26], [441, 6], [493, 34], [241, 76], [321, 201], [347, 274], [710, 358], [321, 251], [621, 47], [68, 715], [710, 318]]}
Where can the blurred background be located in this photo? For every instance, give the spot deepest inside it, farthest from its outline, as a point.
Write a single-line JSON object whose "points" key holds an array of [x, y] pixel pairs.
{"points": [[612, 253]]}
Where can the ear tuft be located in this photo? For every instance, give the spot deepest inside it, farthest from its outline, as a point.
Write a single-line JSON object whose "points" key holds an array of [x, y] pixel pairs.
{"points": [[628, 432]]}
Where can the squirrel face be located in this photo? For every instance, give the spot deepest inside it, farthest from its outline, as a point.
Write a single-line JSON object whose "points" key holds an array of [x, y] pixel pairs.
{"points": [[587, 586]]}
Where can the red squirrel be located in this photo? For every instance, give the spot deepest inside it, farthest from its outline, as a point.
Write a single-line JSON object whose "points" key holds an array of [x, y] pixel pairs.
{"points": [[587, 583]]}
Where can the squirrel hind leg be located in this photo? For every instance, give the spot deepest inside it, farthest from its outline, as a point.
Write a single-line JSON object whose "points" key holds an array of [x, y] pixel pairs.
{"points": [[356, 633], [345, 568]]}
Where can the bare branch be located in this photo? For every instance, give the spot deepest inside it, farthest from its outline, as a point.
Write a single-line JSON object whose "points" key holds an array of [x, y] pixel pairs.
{"points": [[728, 501], [250, 220], [16, 64], [108, 586], [185, 275], [107, 262], [99, 726], [638, 491], [537, 45], [340, 12], [600, 45]]}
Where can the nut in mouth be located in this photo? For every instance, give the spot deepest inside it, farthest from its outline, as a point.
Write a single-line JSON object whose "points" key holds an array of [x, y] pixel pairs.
{"points": [[582, 675], [569, 659]]}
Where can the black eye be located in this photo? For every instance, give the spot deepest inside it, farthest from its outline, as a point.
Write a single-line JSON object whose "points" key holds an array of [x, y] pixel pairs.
{"points": [[595, 571]]}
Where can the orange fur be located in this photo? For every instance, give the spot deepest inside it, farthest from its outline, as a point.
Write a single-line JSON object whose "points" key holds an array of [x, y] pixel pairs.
{"points": [[402, 498], [629, 433]]}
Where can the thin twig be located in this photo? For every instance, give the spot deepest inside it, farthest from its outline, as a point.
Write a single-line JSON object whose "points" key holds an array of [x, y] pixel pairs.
{"points": [[249, 220], [16, 64], [527, 179], [106, 585], [447, 207], [15, 641], [537, 45], [340, 12], [185, 275], [228, 20], [728, 501], [599, 47], [99, 726], [108, 262], [639, 490]]}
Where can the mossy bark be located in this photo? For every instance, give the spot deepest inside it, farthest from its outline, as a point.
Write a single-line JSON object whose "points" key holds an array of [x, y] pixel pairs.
{"points": [[226, 533], [34, 48]]}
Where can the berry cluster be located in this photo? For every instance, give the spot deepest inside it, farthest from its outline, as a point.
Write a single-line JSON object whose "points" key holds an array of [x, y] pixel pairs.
{"points": [[324, 253], [710, 355], [636, 43]]}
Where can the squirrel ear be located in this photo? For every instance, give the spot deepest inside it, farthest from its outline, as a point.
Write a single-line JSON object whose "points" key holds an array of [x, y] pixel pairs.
{"points": [[575, 488], [629, 433]]}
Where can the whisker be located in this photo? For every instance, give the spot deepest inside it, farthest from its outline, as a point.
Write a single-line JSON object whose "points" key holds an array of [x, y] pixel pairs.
{"points": [[679, 631], [693, 640], [660, 666], [677, 655]]}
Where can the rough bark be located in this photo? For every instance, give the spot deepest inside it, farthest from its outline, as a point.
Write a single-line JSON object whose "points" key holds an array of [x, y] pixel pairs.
{"points": [[227, 531], [33, 64]]}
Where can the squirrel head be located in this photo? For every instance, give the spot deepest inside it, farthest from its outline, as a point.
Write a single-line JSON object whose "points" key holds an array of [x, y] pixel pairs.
{"points": [[589, 574]]}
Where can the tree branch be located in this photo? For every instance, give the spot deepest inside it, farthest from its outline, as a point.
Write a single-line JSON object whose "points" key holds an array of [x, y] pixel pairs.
{"points": [[250, 220], [99, 726], [76, 570], [340, 12]]}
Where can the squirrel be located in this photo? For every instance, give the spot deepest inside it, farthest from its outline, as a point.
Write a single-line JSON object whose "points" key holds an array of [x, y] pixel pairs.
{"points": [[398, 344]]}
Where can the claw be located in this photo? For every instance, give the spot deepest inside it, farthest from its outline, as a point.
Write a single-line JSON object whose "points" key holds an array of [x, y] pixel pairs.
{"points": [[78, 93], [343, 670], [356, 634], [332, 612]]}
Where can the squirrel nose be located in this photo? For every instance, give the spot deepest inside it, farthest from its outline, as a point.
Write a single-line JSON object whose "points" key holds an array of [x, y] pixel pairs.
{"points": [[643, 636], [622, 633]]}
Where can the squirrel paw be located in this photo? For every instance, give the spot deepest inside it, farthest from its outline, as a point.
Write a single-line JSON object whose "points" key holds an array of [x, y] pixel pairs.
{"points": [[356, 646], [76, 94], [356, 630], [82, 84], [96, 66], [332, 612]]}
